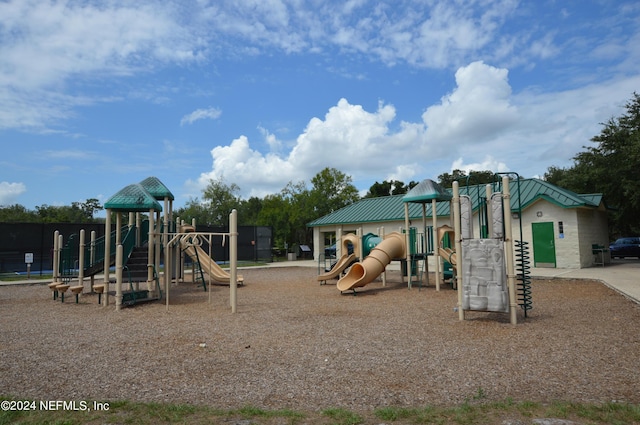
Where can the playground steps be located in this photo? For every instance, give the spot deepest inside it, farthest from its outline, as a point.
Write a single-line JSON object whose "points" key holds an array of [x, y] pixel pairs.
{"points": [[131, 297], [137, 265]]}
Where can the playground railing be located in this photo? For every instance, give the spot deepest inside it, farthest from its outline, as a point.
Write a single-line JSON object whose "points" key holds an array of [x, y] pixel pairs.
{"points": [[69, 264]]}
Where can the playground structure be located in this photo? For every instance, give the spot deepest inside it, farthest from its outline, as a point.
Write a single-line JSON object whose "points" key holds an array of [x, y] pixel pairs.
{"points": [[190, 243], [391, 247], [410, 246], [490, 270], [145, 240], [345, 260], [445, 235], [377, 251]]}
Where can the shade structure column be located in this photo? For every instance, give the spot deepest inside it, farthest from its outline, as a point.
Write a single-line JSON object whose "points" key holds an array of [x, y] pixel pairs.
{"points": [[151, 245], [107, 257]]}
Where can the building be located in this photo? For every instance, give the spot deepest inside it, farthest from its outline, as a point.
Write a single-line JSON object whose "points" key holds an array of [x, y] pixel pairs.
{"points": [[559, 226]]}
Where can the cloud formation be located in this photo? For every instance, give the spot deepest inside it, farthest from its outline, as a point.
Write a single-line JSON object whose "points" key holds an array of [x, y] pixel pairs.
{"points": [[9, 192], [372, 145], [89, 41], [201, 114]]}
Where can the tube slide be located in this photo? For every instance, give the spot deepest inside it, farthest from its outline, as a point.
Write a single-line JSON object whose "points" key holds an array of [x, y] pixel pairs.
{"points": [[449, 255], [392, 247], [208, 264], [344, 262]]}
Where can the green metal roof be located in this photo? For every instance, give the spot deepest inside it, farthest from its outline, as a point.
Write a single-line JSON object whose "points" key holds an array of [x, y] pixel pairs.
{"points": [[391, 208], [371, 210], [156, 188], [132, 198], [427, 190]]}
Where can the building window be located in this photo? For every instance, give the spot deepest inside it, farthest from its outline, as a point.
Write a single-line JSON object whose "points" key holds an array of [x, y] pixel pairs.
{"points": [[561, 229]]}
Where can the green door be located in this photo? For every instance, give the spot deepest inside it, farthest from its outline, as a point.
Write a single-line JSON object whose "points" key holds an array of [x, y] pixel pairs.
{"points": [[544, 246]]}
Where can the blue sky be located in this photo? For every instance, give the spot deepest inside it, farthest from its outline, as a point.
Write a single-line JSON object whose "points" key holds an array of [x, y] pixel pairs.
{"points": [[96, 95]]}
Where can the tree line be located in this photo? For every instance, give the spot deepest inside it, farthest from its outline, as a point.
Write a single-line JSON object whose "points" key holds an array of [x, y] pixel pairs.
{"points": [[611, 167]]}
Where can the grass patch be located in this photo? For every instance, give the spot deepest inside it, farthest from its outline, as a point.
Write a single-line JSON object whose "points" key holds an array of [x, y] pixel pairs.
{"points": [[12, 277], [469, 412], [341, 416]]}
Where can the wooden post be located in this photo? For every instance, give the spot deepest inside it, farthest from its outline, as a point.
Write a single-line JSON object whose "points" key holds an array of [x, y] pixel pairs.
{"points": [[56, 257], [508, 239], [81, 259], [458, 244], [119, 254], [107, 257], [435, 242], [92, 256], [406, 243], [233, 258]]}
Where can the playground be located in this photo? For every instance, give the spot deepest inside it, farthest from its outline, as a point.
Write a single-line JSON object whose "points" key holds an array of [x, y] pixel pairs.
{"points": [[294, 343], [357, 336]]}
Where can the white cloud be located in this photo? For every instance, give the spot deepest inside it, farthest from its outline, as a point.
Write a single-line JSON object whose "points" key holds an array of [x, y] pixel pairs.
{"points": [[274, 144], [201, 114], [9, 192], [255, 173], [479, 125], [372, 145], [78, 42], [488, 163], [48, 46], [479, 107]]}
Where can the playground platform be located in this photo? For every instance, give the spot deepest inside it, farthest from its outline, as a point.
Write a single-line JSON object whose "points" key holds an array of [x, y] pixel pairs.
{"points": [[622, 276]]}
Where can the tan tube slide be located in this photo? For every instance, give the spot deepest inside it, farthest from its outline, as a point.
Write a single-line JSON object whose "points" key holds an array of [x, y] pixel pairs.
{"points": [[360, 274], [448, 255]]}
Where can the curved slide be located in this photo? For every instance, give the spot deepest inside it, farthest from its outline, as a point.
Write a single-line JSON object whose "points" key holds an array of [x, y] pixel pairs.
{"points": [[392, 247], [208, 264], [344, 262], [449, 255]]}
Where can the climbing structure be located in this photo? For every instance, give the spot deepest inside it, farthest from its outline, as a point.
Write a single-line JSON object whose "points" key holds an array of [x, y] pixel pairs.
{"points": [[485, 265]]}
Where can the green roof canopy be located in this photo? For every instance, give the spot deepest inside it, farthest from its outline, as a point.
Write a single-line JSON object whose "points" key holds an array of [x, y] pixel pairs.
{"points": [[156, 188], [524, 193], [132, 198], [427, 190]]}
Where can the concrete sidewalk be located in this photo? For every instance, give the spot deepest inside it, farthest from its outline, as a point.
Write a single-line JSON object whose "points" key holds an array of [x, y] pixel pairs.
{"points": [[621, 275]]}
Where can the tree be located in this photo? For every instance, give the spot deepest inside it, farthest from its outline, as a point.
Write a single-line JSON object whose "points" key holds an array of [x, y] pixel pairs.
{"points": [[220, 198], [610, 167], [288, 213], [473, 178], [332, 190], [90, 207], [77, 212], [17, 214], [193, 209], [301, 210], [249, 211], [391, 187], [275, 213]]}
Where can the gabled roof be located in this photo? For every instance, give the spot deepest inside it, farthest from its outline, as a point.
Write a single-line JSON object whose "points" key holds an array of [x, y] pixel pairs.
{"points": [[426, 191], [156, 188], [391, 208], [132, 198], [372, 210]]}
